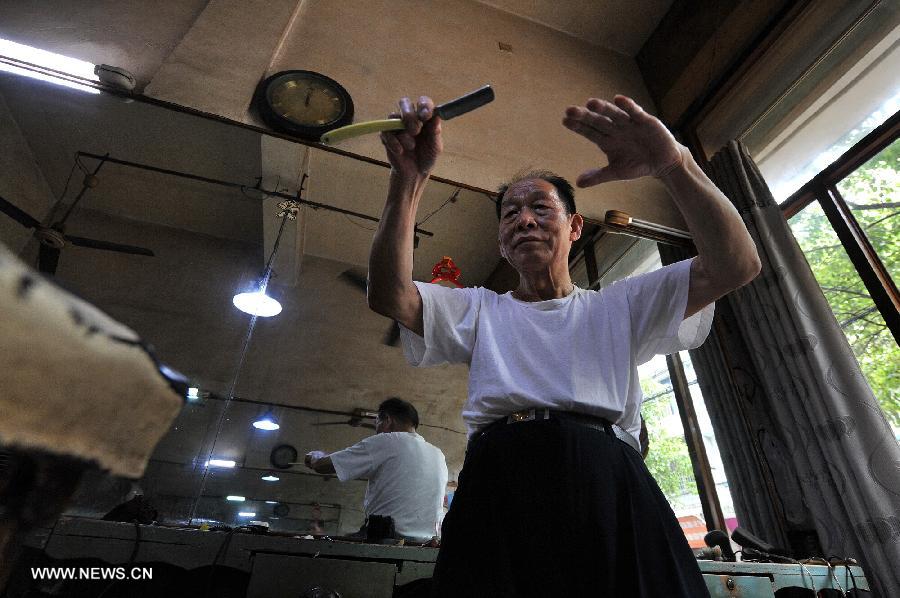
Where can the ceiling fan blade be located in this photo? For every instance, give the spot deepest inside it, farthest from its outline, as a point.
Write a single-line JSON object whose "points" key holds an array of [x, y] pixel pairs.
{"points": [[331, 423], [369, 426], [17, 214], [106, 245], [392, 336], [354, 278], [48, 259]]}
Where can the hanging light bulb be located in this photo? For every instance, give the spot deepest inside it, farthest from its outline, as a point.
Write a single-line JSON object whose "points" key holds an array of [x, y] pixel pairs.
{"points": [[220, 463], [257, 302], [266, 422]]}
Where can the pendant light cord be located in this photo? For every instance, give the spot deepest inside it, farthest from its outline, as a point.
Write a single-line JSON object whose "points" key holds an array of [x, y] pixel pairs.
{"points": [[237, 372], [267, 273]]}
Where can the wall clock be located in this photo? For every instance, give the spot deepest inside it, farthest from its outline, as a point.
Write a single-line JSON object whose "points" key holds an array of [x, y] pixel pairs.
{"points": [[303, 103]]}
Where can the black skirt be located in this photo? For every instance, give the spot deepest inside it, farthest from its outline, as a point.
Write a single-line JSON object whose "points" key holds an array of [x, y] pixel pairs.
{"points": [[554, 508]]}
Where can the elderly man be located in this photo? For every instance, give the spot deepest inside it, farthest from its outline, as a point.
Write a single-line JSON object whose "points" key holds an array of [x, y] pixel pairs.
{"points": [[407, 476], [553, 498]]}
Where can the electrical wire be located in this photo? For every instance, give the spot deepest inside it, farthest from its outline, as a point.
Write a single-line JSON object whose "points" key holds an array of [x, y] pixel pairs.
{"points": [[831, 569], [244, 189], [220, 422], [852, 578], [80, 164], [131, 559], [84, 187], [812, 579], [237, 372], [357, 224], [453, 197], [223, 550], [267, 273], [68, 179], [442, 428]]}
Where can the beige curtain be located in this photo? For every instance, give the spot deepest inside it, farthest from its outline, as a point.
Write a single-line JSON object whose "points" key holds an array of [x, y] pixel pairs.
{"points": [[811, 460]]}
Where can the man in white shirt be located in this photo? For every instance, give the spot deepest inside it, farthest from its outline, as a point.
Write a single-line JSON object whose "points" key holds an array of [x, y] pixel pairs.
{"points": [[407, 475], [554, 498]]}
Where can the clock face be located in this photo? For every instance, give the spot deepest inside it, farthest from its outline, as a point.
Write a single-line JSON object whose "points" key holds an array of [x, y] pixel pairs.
{"points": [[283, 455], [304, 103]]}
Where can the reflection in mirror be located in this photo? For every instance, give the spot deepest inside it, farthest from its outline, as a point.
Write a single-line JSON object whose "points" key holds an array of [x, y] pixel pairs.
{"points": [[309, 368], [206, 198]]}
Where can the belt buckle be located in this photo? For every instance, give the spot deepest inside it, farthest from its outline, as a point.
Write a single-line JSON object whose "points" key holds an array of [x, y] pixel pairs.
{"points": [[520, 416]]}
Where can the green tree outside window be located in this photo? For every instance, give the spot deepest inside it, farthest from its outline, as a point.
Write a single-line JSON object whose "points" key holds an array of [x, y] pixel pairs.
{"points": [[873, 194]]}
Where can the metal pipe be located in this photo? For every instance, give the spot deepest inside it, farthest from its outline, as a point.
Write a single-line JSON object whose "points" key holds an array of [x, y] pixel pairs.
{"points": [[211, 181]]}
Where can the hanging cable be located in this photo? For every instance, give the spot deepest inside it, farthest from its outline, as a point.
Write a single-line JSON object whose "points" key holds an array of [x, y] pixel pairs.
{"points": [[450, 199], [68, 179], [288, 212], [357, 224], [212, 448], [88, 177]]}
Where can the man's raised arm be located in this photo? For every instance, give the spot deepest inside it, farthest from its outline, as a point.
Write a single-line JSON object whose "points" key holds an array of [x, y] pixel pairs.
{"points": [[637, 144], [412, 154]]}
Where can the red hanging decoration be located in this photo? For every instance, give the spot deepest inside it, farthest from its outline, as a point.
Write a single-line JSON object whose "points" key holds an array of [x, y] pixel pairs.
{"points": [[446, 271]]}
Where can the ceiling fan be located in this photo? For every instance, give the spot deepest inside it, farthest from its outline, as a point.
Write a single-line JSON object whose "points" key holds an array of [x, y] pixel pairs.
{"points": [[358, 280], [285, 456], [53, 238], [357, 420]]}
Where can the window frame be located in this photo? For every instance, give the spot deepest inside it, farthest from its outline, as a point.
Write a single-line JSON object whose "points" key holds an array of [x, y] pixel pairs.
{"points": [[703, 476], [864, 258], [823, 188]]}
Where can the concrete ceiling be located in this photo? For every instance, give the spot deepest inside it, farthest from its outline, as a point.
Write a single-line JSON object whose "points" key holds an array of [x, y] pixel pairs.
{"points": [[324, 352], [58, 122], [619, 26]]}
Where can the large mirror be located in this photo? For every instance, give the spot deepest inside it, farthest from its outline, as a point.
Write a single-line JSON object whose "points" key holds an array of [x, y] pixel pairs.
{"points": [[203, 197]]}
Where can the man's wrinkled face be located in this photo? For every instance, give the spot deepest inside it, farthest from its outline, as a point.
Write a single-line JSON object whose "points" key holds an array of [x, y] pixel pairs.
{"points": [[535, 229]]}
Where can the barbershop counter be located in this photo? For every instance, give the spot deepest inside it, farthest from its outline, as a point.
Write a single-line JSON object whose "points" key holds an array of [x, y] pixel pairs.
{"points": [[270, 565], [277, 565]]}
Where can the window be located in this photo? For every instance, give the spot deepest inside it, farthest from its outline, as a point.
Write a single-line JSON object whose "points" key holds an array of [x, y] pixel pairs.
{"points": [[670, 459], [829, 151], [872, 192], [816, 104], [711, 447], [869, 199]]}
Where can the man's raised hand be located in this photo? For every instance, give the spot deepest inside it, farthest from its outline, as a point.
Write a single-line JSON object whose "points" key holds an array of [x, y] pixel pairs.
{"points": [[311, 457], [636, 144], [413, 151]]}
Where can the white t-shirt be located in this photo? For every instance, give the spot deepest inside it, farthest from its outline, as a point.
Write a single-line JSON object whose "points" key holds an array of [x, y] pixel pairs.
{"points": [[579, 353], [407, 480]]}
